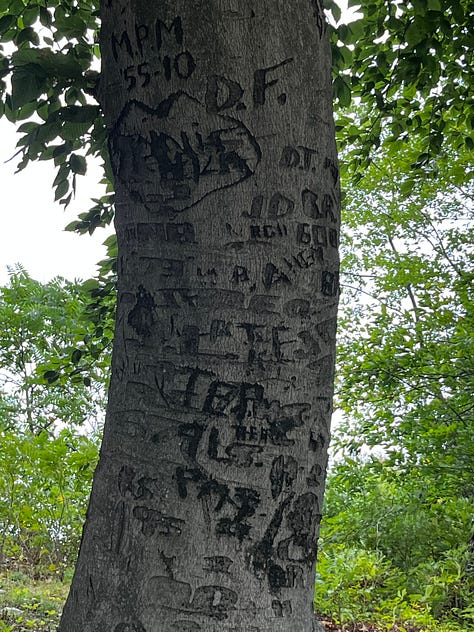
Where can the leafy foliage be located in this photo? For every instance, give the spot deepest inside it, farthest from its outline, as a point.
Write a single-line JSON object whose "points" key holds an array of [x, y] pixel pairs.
{"points": [[44, 483], [397, 543], [53, 376], [48, 63], [409, 64], [407, 345], [27, 604], [393, 553], [53, 359]]}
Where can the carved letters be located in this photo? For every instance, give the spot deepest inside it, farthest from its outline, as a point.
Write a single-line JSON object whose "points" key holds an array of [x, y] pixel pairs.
{"points": [[174, 172], [228, 336], [213, 601]]}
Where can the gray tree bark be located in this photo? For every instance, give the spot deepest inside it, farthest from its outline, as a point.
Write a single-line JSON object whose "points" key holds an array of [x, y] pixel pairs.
{"points": [[207, 498]]}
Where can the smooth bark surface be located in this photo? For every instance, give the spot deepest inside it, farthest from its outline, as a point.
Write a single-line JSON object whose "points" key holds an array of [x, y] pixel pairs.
{"points": [[207, 499]]}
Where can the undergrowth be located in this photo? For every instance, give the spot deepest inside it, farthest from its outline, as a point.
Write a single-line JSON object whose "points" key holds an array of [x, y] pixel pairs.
{"points": [[28, 605]]}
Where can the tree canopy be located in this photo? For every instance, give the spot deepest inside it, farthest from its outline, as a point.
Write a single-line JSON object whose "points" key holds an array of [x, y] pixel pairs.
{"points": [[410, 64], [407, 320]]}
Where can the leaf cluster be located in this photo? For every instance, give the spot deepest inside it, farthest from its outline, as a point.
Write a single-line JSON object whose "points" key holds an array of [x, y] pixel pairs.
{"points": [[409, 64], [394, 553], [53, 359], [406, 344], [48, 61], [44, 483]]}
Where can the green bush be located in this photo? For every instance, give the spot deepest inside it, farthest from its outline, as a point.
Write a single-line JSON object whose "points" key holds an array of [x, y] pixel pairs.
{"points": [[44, 485], [350, 581], [393, 553]]}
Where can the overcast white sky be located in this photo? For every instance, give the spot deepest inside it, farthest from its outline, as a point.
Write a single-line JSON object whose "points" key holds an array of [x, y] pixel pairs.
{"points": [[32, 224]]}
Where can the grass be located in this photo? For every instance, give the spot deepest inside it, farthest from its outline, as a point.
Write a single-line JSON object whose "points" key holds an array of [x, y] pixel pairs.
{"points": [[30, 605]]}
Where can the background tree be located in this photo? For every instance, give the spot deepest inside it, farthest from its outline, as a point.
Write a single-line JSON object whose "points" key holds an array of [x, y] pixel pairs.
{"points": [[49, 375], [50, 394], [407, 318], [44, 485], [396, 539]]}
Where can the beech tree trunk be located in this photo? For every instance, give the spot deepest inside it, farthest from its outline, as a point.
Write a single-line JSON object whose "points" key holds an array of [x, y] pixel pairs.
{"points": [[207, 498]]}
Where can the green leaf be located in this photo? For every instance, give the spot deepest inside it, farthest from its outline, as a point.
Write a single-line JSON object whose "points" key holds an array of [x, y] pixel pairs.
{"points": [[28, 83], [27, 110], [436, 142], [74, 131], [458, 12], [51, 376], [416, 32], [63, 173], [420, 6], [6, 21], [69, 26], [72, 226], [61, 190], [26, 128], [342, 90], [27, 35], [357, 30], [76, 356], [80, 113], [45, 17], [59, 150], [16, 7], [66, 200], [407, 187], [30, 15], [78, 164], [334, 8], [54, 64]]}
